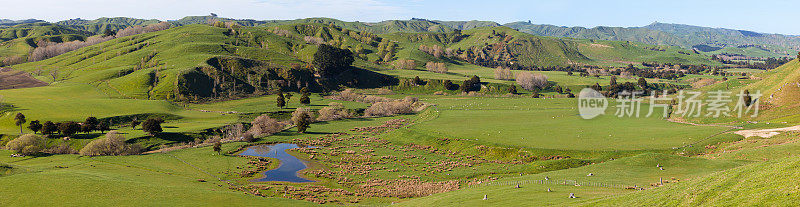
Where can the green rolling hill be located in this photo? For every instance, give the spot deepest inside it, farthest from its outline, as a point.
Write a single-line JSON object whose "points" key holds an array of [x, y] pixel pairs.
{"points": [[686, 36], [100, 25], [19, 40]]}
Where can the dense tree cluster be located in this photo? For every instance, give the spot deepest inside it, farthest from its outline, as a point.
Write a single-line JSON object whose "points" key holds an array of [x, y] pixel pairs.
{"points": [[764, 64], [387, 50], [330, 61], [472, 84]]}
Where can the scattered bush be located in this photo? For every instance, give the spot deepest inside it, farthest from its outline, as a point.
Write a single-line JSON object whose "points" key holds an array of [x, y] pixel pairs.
{"points": [[391, 108], [112, 144], [264, 125], [27, 144], [334, 111], [62, 148], [350, 95]]}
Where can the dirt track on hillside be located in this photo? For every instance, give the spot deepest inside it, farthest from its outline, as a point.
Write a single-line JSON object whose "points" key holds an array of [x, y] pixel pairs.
{"points": [[766, 133]]}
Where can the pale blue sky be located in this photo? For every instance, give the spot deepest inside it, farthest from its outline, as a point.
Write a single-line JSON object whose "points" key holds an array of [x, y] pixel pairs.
{"points": [[769, 16]]}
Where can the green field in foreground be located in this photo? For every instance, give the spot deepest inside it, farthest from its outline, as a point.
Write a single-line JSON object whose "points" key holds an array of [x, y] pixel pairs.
{"points": [[632, 171], [555, 124]]}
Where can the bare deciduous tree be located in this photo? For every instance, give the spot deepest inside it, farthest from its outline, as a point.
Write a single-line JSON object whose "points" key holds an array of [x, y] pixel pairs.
{"points": [[405, 64], [436, 67], [264, 125], [529, 81], [501, 73], [334, 111]]}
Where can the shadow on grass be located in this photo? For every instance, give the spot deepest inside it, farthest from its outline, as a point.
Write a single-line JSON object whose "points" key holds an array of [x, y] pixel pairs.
{"points": [[167, 136], [86, 136]]}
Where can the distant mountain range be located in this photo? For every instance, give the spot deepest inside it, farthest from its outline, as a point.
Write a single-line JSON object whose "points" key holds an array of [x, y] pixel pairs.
{"points": [[704, 39], [687, 36], [8, 22]]}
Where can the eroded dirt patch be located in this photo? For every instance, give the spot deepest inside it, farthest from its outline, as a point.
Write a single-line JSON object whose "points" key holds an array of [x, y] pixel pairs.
{"points": [[11, 79]]}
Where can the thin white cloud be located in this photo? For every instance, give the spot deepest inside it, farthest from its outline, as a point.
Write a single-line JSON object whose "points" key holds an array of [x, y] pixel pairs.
{"points": [[55, 10]]}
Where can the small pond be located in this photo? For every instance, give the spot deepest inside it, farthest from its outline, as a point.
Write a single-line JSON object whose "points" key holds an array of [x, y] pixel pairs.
{"points": [[289, 164]]}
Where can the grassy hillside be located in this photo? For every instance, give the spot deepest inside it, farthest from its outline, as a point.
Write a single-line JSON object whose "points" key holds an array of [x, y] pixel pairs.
{"points": [[19, 40], [506, 46], [685, 36], [769, 183], [639, 170], [642, 35], [100, 25], [162, 65]]}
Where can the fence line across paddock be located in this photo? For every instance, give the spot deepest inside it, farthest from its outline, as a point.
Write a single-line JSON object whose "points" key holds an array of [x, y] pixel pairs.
{"points": [[550, 182]]}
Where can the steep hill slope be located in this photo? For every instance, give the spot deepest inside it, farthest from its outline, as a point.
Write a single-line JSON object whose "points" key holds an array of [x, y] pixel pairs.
{"points": [[781, 92], [769, 183], [492, 46], [637, 34], [172, 63], [198, 61]]}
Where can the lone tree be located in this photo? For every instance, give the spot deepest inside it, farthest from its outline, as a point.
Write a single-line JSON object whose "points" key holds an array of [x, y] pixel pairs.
{"points": [[304, 99], [218, 147], [49, 127], [103, 127], [35, 126], [613, 80], [288, 97], [90, 124], [19, 120], [69, 128], [152, 126], [135, 123], [330, 61], [302, 119], [642, 83], [747, 99], [281, 102]]}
